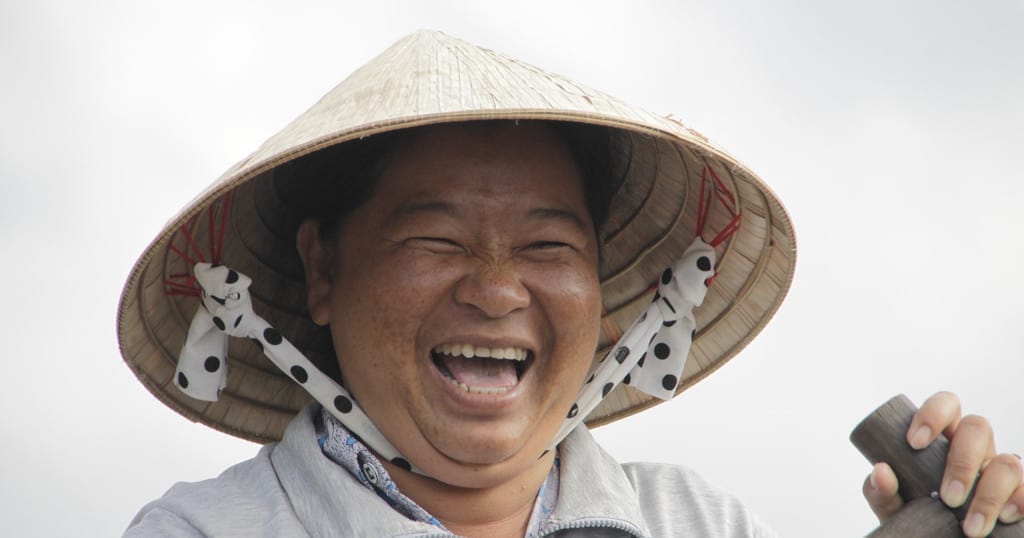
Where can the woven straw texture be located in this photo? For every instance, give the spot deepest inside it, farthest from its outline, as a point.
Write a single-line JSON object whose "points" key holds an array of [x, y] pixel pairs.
{"points": [[428, 78]]}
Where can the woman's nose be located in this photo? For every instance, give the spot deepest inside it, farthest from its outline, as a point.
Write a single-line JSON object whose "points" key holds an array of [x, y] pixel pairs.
{"points": [[494, 289]]}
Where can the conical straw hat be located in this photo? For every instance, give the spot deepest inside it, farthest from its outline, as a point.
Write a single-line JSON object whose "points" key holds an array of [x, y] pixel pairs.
{"points": [[428, 78]]}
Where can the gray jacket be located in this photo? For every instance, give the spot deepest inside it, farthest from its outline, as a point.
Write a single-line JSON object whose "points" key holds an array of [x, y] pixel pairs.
{"points": [[291, 489]]}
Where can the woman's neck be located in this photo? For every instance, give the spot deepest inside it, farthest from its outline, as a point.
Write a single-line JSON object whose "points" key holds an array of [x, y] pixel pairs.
{"points": [[500, 511]]}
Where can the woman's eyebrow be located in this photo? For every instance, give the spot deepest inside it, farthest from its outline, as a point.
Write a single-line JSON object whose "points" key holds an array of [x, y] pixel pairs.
{"points": [[554, 213], [445, 208], [414, 208]]}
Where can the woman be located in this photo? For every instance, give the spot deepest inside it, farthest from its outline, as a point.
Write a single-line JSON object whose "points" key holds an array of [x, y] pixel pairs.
{"points": [[446, 238]]}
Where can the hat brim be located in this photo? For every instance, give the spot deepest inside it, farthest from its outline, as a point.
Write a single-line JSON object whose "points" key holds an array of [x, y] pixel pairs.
{"points": [[652, 221]]}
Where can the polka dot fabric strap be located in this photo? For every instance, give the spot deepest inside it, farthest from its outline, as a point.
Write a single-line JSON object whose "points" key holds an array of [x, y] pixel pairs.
{"points": [[649, 357], [651, 354], [227, 311]]}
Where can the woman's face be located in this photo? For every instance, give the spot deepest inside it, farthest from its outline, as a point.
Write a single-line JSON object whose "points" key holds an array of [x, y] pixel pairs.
{"points": [[464, 303]]}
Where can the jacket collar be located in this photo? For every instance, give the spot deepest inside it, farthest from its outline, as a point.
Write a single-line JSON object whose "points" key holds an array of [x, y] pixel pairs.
{"points": [[593, 491]]}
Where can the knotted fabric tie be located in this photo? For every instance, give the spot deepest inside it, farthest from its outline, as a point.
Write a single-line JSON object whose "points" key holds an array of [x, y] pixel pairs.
{"points": [[651, 354], [649, 357], [227, 311]]}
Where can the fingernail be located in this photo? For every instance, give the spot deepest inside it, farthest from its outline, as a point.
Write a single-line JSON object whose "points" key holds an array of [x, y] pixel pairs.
{"points": [[1009, 513], [973, 524], [921, 437], [874, 483], [953, 494]]}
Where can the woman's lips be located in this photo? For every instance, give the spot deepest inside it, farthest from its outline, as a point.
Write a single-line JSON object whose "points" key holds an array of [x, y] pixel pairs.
{"points": [[481, 370]]}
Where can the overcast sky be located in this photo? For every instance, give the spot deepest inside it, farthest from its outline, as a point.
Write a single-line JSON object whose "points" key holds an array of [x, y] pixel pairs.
{"points": [[890, 129]]}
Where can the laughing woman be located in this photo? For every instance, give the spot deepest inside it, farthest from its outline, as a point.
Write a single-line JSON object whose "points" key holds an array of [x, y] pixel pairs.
{"points": [[421, 292]]}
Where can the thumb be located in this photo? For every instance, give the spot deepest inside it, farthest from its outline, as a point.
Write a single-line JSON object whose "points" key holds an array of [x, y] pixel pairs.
{"points": [[881, 491]]}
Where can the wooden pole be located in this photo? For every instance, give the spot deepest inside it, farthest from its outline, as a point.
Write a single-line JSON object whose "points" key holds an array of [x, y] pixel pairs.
{"points": [[882, 436], [923, 516]]}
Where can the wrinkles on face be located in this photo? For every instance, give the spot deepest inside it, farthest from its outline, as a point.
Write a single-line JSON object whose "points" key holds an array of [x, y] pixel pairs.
{"points": [[479, 237]]}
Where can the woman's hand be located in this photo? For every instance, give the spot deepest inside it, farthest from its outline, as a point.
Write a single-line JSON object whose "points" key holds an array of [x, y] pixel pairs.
{"points": [[972, 450]]}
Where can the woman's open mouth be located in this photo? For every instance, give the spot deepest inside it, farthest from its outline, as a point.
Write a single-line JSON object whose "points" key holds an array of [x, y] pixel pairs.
{"points": [[482, 370]]}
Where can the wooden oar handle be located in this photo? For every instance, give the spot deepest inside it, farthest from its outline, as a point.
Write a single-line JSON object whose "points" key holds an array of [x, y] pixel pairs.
{"points": [[882, 436]]}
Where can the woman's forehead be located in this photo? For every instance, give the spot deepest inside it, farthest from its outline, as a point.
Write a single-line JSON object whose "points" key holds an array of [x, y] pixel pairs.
{"points": [[502, 160], [483, 140]]}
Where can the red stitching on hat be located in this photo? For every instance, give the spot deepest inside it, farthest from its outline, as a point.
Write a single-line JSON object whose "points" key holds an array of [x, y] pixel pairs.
{"points": [[173, 284], [725, 197], [720, 192]]}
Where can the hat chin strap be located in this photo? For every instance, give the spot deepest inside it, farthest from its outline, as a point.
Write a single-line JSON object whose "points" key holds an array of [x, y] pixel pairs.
{"points": [[649, 357], [227, 311], [651, 354]]}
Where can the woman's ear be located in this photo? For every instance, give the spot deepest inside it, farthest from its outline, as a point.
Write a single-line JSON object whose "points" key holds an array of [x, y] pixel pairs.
{"points": [[318, 261]]}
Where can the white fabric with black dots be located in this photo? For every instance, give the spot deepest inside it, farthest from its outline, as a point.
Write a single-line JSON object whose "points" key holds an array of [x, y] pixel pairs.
{"points": [[651, 354], [649, 357], [227, 311]]}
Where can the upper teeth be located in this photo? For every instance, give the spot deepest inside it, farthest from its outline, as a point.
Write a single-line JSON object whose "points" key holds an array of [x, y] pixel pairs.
{"points": [[469, 350]]}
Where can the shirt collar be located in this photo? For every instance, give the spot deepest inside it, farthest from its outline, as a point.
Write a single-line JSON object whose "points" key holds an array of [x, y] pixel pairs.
{"points": [[593, 492], [594, 489]]}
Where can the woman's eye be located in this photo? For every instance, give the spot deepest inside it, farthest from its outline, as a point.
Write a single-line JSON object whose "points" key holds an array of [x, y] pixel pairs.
{"points": [[547, 250], [436, 244], [548, 245]]}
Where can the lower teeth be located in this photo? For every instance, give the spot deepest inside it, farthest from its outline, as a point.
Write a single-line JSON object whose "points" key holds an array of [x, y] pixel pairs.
{"points": [[478, 390]]}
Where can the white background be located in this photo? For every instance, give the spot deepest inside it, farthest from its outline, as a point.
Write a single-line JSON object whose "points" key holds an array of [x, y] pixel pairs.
{"points": [[891, 129]]}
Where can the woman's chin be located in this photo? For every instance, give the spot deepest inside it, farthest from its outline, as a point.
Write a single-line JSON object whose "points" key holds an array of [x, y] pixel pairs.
{"points": [[477, 461], [482, 449]]}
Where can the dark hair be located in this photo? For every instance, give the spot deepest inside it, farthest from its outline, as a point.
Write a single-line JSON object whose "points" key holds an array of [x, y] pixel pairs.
{"points": [[331, 183]]}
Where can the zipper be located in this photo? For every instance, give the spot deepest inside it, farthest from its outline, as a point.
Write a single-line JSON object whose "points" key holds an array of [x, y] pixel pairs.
{"points": [[628, 529]]}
